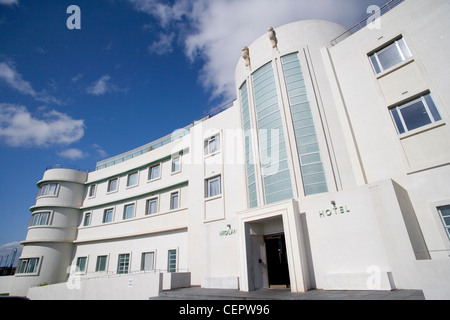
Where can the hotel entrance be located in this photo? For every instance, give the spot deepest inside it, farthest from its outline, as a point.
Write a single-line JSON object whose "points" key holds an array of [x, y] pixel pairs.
{"points": [[277, 262]]}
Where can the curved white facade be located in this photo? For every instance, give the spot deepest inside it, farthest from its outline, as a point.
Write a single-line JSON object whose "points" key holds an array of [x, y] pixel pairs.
{"points": [[330, 171]]}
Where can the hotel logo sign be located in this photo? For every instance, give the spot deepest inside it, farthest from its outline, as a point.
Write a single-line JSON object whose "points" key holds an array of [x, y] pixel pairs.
{"points": [[334, 211]]}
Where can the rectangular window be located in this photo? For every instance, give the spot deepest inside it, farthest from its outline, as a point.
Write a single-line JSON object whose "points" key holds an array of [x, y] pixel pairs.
{"points": [[152, 206], [92, 190], [40, 219], [128, 211], [174, 201], [101, 263], [213, 187], [172, 261], [415, 114], [132, 179], [176, 165], [108, 215], [81, 264], [444, 213], [154, 172], [390, 56], [148, 261], [212, 145], [87, 219], [49, 189], [112, 185], [28, 265], [123, 263]]}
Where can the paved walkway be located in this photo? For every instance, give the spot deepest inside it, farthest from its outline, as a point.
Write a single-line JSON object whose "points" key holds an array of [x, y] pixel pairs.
{"points": [[197, 293]]}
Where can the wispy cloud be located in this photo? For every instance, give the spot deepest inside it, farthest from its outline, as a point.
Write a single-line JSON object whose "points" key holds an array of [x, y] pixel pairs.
{"points": [[12, 78], [9, 2], [163, 45], [20, 128], [103, 86], [214, 32], [72, 154]]}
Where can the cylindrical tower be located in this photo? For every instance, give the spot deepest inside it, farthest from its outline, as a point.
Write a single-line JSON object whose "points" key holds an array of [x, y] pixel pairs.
{"points": [[55, 217]]}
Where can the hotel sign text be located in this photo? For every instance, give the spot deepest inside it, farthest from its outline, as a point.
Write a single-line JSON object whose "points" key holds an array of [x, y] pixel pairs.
{"points": [[333, 211]]}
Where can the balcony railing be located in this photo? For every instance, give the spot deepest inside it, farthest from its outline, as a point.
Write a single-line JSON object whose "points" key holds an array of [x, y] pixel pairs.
{"points": [[364, 22]]}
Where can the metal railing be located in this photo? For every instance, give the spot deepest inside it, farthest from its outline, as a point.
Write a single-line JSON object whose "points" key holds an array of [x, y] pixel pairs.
{"points": [[364, 22]]}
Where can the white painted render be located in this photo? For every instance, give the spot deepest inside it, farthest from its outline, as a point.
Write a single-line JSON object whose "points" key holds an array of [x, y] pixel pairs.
{"points": [[376, 228]]}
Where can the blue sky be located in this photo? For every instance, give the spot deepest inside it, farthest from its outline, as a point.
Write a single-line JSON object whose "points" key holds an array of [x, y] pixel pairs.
{"points": [[136, 70]]}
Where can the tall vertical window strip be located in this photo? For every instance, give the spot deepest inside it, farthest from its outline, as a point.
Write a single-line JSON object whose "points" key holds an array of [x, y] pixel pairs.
{"points": [[272, 146], [250, 167], [313, 174]]}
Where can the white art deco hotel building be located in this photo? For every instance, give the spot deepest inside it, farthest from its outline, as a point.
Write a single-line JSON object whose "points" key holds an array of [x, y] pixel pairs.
{"points": [[330, 171]]}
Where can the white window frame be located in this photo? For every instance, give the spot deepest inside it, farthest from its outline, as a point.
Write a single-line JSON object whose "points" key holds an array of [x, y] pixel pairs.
{"points": [[97, 263], [397, 110], [38, 216], [176, 260], [125, 210], [403, 55], [104, 215], [85, 216], [150, 172], [109, 190], [137, 179], [90, 193], [35, 270], [147, 205], [143, 260], [175, 158], [172, 207], [128, 263], [444, 224], [208, 186], [43, 192], [208, 143]]}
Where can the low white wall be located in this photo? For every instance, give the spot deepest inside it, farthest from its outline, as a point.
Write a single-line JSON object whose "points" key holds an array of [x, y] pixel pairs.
{"points": [[139, 286], [6, 284]]}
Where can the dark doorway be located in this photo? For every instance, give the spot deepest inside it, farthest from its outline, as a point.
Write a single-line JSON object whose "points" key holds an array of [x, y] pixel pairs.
{"points": [[277, 264]]}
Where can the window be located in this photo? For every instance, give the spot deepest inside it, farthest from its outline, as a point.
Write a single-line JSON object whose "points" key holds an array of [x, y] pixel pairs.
{"points": [[213, 187], [152, 206], [176, 165], [415, 114], [123, 263], [154, 172], [174, 200], [108, 215], [389, 56], [81, 264], [132, 179], [87, 219], [112, 185], [444, 213], [92, 190], [212, 145], [148, 261], [40, 219], [27, 266], [172, 261], [101, 263], [49, 189], [128, 211]]}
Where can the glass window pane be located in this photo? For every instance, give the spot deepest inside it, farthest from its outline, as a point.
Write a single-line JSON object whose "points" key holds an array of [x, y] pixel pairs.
{"points": [[112, 185], [375, 64], [101, 263], [415, 115], [108, 215], [432, 107], [154, 172], [404, 48], [132, 179], [92, 190], [398, 121], [176, 164], [148, 261], [172, 261], [81, 264], [389, 56], [123, 263], [128, 212], [152, 206], [174, 201]]}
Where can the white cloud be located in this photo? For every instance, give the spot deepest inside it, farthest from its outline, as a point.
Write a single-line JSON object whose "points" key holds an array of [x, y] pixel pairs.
{"points": [[11, 77], [100, 151], [19, 128], [72, 154], [9, 2], [163, 45], [100, 86], [215, 31]]}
